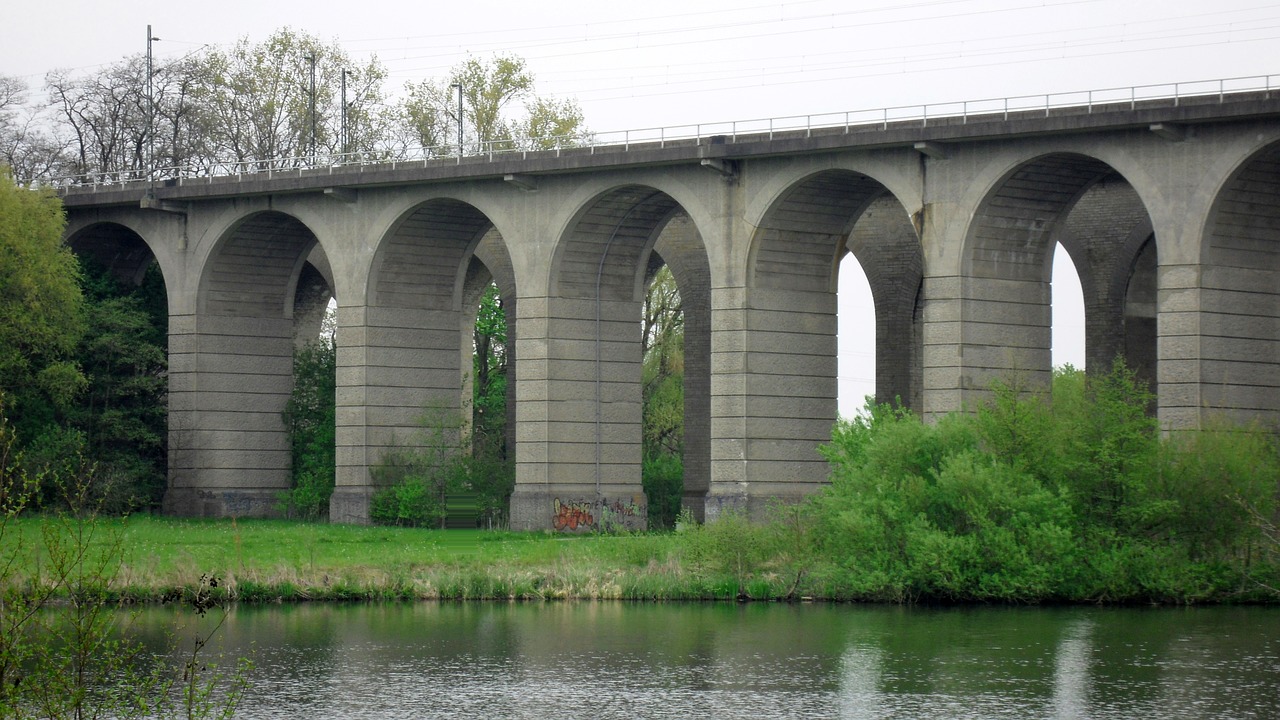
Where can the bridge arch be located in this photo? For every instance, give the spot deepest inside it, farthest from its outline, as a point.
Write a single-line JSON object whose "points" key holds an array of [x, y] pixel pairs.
{"points": [[231, 369], [490, 265], [132, 299], [789, 378], [898, 171], [1236, 368], [122, 242], [580, 411], [116, 247], [402, 346], [1102, 222]]}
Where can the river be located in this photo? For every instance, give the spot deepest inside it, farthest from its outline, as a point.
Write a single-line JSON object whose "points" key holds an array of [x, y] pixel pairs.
{"points": [[626, 660]]}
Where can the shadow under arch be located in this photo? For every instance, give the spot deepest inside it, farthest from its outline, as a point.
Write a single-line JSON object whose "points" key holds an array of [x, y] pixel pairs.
{"points": [[231, 371], [118, 249], [1235, 368], [1005, 311], [401, 348], [789, 381], [579, 463]]}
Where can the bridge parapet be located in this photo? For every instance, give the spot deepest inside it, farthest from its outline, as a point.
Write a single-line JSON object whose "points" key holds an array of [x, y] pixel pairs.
{"points": [[1045, 113]]}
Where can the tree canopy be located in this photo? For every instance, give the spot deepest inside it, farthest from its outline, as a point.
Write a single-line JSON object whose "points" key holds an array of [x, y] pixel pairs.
{"points": [[41, 306], [291, 97]]}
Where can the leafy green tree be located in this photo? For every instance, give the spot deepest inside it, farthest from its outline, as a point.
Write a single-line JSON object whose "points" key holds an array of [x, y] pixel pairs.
{"points": [[489, 388], [311, 417], [500, 108], [41, 305], [549, 123], [662, 392], [258, 104], [122, 413], [1070, 495], [491, 473]]}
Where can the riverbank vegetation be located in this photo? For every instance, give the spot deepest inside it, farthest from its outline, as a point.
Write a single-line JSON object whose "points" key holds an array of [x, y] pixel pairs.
{"points": [[1068, 496], [1063, 494]]}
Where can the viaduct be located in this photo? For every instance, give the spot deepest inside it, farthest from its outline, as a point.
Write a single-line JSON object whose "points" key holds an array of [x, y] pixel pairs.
{"points": [[1169, 208]]}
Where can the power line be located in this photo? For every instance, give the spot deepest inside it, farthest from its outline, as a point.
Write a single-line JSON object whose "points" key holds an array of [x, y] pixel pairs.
{"points": [[702, 40], [806, 62], [861, 76]]}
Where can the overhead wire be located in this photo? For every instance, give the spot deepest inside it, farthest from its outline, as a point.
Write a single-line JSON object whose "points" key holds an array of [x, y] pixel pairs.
{"points": [[702, 40], [665, 81], [952, 56], [808, 60]]}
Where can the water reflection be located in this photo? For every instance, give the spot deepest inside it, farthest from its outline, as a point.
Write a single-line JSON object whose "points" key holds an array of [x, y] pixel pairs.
{"points": [[615, 660]]}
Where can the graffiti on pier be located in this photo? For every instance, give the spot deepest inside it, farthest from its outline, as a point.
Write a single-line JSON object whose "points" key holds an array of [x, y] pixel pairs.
{"points": [[572, 515], [601, 514]]}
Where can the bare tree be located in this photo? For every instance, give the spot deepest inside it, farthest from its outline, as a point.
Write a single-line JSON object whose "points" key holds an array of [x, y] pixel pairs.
{"points": [[107, 114], [27, 145]]}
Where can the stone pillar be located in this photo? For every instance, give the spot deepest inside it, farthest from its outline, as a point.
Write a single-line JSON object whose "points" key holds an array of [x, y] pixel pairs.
{"points": [[579, 415], [774, 397], [230, 378]]}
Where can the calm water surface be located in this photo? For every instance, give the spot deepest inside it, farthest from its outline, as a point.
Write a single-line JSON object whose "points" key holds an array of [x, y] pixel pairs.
{"points": [[620, 660]]}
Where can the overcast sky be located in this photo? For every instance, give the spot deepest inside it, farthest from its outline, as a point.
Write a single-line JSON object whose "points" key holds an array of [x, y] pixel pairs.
{"points": [[668, 63]]}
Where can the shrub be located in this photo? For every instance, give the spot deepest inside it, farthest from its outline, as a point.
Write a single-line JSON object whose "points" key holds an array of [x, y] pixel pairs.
{"points": [[418, 481], [1070, 495], [311, 417], [662, 476]]}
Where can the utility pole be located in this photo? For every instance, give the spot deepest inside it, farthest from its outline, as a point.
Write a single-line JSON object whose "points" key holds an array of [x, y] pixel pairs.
{"points": [[312, 59], [151, 115], [344, 113], [459, 87]]}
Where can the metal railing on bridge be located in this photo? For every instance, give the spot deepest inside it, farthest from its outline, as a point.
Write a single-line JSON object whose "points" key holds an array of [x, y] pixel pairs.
{"points": [[1081, 102]]}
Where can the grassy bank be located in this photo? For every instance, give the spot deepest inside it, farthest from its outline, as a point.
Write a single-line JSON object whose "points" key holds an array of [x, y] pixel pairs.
{"points": [[284, 561], [270, 561], [1068, 494]]}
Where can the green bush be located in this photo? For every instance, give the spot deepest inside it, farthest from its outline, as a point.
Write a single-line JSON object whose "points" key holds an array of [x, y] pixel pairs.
{"points": [[662, 476], [1071, 494], [311, 417], [418, 481]]}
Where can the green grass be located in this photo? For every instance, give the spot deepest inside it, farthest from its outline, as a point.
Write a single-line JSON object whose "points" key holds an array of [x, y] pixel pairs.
{"points": [[269, 561], [277, 560]]}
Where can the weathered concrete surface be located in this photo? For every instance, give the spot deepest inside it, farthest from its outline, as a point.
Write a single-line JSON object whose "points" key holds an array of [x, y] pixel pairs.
{"points": [[1177, 242]]}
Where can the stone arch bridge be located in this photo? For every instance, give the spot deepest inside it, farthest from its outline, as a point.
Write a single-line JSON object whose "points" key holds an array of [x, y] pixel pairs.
{"points": [[1169, 209]]}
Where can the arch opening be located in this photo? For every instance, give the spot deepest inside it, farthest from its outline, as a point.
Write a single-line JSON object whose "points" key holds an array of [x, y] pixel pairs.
{"points": [[232, 369], [1067, 301], [856, 321], [488, 386], [1053, 223], [792, 386], [406, 411], [590, 428], [1235, 369], [311, 412]]}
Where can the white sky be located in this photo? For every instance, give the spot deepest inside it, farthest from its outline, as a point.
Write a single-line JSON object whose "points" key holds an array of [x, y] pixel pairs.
{"points": [[667, 63]]}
